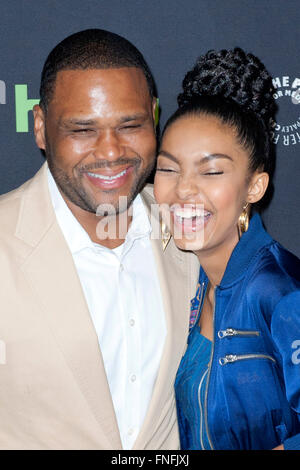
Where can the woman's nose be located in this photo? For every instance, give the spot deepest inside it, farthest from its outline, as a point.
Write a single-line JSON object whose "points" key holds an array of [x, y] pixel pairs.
{"points": [[186, 187]]}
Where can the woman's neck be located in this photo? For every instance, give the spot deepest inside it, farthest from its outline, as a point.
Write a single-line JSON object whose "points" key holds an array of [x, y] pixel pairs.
{"points": [[214, 260]]}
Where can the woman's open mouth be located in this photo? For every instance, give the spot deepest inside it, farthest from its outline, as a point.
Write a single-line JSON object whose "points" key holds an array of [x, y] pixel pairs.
{"points": [[189, 219]]}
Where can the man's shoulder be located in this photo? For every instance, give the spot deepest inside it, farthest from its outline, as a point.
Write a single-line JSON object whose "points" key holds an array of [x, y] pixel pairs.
{"points": [[17, 193], [12, 196], [11, 202]]}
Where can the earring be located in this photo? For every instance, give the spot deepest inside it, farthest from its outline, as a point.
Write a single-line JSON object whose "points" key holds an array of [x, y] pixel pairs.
{"points": [[165, 235], [243, 222]]}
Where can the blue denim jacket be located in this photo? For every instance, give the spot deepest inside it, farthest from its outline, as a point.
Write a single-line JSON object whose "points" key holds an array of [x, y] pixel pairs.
{"points": [[253, 387]]}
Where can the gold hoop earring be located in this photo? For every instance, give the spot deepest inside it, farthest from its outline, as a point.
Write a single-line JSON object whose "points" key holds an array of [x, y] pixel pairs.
{"points": [[243, 222], [165, 235]]}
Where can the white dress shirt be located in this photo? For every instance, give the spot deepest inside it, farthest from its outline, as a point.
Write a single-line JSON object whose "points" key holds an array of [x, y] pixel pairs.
{"points": [[125, 303]]}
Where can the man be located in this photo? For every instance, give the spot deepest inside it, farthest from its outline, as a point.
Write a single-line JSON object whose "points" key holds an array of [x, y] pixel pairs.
{"points": [[94, 328]]}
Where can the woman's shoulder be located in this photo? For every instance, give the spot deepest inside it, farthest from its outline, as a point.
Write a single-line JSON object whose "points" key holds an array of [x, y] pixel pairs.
{"points": [[274, 275], [275, 261]]}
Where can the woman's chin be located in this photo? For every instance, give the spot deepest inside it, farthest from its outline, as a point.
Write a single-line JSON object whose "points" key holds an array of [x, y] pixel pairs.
{"points": [[190, 243]]}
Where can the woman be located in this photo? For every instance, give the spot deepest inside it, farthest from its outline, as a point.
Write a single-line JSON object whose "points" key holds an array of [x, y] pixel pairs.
{"points": [[238, 385]]}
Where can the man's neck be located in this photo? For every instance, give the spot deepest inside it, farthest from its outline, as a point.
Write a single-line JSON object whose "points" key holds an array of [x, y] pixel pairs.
{"points": [[107, 231]]}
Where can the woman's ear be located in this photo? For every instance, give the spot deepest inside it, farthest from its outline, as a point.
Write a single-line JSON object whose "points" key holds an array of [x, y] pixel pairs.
{"points": [[39, 126], [257, 186]]}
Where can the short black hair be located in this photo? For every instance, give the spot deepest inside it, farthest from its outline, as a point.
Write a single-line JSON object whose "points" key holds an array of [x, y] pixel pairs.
{"points": [[235, 87], [91, 49]]}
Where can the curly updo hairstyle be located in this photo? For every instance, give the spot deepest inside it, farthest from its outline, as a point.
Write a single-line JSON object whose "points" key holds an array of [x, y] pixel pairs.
{"points": [[236, 88]]}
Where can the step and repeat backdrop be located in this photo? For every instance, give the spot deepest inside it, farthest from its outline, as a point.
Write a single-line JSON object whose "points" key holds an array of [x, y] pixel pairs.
{"points": [[170, 34]]}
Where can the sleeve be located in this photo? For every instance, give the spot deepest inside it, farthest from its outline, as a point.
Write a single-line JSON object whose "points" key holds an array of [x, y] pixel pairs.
{"points": [[285, 329], [183, 428]]}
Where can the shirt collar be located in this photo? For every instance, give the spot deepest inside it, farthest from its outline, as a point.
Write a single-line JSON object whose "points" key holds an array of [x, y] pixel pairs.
{"points": [[75, 235]]}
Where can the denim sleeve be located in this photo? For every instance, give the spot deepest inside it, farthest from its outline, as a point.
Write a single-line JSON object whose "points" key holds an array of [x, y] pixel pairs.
{"points": [[285, 329]]}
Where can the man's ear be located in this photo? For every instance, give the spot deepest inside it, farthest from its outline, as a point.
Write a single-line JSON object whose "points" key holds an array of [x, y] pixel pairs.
{"points": [[155, 110], [39, 126], [257, 186]]}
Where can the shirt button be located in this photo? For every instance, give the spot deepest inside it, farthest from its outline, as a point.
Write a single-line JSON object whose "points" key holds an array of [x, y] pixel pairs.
{"points": [[133, 378], [121, 267], [131, 322], [130, 432]]}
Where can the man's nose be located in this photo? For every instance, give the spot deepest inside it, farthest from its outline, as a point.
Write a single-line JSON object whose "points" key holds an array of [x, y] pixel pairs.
{"points": [[108, 146]]}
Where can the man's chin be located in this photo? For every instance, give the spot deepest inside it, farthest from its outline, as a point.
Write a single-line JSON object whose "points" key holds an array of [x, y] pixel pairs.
{"points": [[115, 207]]}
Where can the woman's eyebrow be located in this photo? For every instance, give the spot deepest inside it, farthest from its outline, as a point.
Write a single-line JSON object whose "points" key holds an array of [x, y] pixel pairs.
{"points": [[213, 156], [201, 161], [163, 153]]}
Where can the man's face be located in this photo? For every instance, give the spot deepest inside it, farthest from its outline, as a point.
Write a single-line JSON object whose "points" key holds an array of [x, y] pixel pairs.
{"points": [[98, 135]]}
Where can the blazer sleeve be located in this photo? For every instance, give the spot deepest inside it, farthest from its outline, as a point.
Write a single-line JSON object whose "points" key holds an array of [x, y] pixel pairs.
{"points": [[285, 330]]}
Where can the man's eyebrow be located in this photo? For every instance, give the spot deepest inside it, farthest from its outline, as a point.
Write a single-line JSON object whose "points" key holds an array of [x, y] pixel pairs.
{"points": [[90, 122], [133, 117], [203, 160], [77, 122]]}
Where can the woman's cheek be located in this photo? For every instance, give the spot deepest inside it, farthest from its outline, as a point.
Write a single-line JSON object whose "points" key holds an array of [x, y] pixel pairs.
{"points": [[163, 191], [223, 195]]}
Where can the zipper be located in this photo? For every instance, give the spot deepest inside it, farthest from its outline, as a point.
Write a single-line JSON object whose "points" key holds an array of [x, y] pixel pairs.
{"points": [[208, 377], [229, 358], [200, 302], [201, 411], [233, 332], [199, 307]]}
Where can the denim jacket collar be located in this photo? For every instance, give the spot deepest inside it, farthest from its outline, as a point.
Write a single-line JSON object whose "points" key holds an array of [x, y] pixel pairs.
{"points": [[249, 244]]}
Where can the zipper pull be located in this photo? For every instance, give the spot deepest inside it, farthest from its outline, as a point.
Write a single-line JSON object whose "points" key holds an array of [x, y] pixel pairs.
{"points": [[227, 332], [228, 358], [234, 332]]}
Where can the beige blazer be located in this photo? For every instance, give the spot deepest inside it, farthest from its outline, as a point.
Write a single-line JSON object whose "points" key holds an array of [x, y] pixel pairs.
{"points": [[53, 388]]}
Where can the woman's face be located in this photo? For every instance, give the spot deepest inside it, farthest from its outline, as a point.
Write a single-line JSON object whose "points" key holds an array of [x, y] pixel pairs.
{"points": [[202, 182]]}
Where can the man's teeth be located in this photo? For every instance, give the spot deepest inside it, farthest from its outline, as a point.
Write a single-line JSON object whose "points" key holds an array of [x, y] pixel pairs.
{"points": [[105, 177]]}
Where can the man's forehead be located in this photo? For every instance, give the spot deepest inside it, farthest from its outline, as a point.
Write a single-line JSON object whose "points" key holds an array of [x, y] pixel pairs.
{"points": [[105, 76], [100, 92]]}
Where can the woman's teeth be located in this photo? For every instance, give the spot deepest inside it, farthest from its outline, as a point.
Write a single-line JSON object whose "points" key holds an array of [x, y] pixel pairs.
{"points": [[186, 214], [105, 177]]}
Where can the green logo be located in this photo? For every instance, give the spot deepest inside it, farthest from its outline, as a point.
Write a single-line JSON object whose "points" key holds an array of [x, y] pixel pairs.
{"points": [[23, 106]]}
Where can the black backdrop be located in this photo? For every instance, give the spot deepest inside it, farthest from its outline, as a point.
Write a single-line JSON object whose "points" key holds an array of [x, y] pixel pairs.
{"points": [[171, 34]]}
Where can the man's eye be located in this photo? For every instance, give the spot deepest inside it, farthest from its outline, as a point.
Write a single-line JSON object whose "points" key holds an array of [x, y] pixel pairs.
{"points": [[82, 131], [131, 126], [214, 173]]}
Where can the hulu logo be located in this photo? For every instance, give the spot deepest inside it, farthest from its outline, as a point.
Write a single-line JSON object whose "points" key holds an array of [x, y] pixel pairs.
{"points": [[23, 106]]}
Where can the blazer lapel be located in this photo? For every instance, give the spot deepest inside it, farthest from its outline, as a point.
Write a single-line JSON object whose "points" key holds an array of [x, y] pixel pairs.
{"points": [[51, 273], [178, 275]]}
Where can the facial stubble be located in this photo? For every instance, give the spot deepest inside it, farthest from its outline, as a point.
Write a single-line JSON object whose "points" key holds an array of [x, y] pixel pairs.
{"points": [[74, 191]]}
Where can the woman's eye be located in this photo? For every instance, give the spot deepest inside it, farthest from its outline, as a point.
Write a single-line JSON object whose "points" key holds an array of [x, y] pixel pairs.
{"points": [[165, 170], [214, 173]]}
